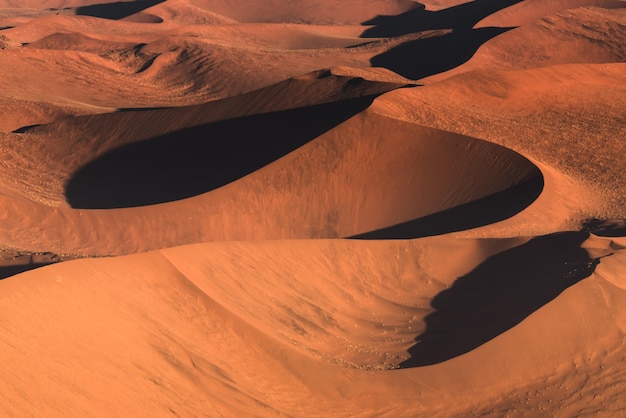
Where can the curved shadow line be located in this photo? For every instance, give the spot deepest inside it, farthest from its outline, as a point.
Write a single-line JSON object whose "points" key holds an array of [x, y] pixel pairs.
{"points": [[458, 18], [118, 10], [422, 58], [8, 271], [499, 294], [24, 129], [485, 211], [193, 161], [12, 263]]}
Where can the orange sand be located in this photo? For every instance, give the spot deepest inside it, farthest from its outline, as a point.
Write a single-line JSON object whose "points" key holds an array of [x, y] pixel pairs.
{"points": [[361, 208]]}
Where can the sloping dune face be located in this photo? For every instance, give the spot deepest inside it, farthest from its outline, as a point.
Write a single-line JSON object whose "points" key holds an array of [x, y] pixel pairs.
{"points": [[351, 180], [192, 162], [233, 329], [316, 11], [581, 35], [312, 208]]}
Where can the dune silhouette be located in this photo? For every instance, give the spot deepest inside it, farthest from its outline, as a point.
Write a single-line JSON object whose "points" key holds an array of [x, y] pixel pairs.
{"points": [[499, 294], [192, 161], [118, 10], [458, 18]]}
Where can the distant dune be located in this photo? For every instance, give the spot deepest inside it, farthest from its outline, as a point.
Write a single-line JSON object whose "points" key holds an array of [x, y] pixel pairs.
{"points": [[312, 208]]}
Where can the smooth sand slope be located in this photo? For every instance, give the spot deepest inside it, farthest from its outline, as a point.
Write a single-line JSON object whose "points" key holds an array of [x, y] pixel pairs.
{"points": [[311, 208]]}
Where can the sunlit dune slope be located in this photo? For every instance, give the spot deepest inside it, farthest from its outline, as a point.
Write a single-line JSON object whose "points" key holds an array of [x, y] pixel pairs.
{"points": [[316, 11], [94, 65], [312, 208], [527, 11], [583, 35], [353, 178], [567, 117], [289, 327]]}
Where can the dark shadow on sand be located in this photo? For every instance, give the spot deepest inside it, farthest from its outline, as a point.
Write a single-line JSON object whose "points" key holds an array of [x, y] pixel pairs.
{"points": [[485, 211], [606, 227], [117, 10], [499, 294], [458, 18], [189, 162], [424, 57], [25, 129], [8, 271], [12, 263], [434, 53]]}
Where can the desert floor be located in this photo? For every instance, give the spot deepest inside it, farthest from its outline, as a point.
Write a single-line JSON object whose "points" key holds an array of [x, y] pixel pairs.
{"points": [[312, 208]]}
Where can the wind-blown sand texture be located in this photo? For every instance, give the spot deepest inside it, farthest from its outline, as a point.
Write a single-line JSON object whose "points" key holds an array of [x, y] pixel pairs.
{"points": [[372, 208]]}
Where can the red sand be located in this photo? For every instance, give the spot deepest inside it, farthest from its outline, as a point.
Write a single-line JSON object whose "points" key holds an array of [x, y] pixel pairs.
{"points": [[365, 208]]}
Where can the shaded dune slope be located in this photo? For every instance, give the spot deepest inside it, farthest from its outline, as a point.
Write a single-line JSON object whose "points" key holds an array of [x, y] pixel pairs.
{"points": [[546, 114], [352, 179], [582, 35], [94, 63], [459, 18], [484, 274], [559, 36], [196, 61], [189, 162], [237, 325], [118, 10]]}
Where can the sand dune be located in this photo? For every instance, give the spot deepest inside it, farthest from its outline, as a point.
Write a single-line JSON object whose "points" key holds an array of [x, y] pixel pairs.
{"points": [[530, 10], [95, 65], [236, 329], [316, 11], [548, 115], [360, 186], [582, 35], [312, 208]]}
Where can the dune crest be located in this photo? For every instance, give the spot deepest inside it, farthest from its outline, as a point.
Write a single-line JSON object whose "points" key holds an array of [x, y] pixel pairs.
{"points": [[247, 322], [312, 208]]}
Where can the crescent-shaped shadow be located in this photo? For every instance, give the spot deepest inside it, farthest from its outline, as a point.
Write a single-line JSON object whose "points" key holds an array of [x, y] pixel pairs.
{"points": [[196, 160], [117, 10], [499, 294], [436, 52], [487, 210]]}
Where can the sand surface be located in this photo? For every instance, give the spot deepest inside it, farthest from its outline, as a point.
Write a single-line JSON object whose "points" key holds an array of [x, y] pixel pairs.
{"points": [[373, 208]]}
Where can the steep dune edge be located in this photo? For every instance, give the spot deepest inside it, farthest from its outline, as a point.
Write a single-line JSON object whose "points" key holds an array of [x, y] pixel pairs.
{"points": [[92, 156], [95, 65], [566, 118], [68, 144], [309, 232], [205, 338], [576, 36], [352, 179]]}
